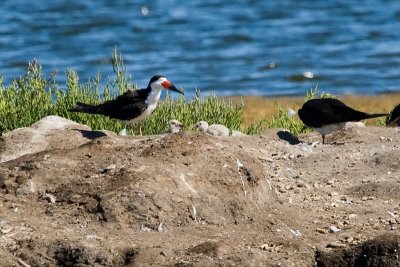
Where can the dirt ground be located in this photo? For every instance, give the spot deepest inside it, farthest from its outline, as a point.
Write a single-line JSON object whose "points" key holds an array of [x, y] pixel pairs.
{"points": [[73, 197]]}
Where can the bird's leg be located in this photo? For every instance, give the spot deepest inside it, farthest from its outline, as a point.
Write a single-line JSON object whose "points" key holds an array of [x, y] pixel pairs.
{"points": [[323, 139], [132, 133], [140, 128]]}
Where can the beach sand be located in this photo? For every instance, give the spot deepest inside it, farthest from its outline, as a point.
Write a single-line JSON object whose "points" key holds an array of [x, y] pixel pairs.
{"points": [[256, 108]]}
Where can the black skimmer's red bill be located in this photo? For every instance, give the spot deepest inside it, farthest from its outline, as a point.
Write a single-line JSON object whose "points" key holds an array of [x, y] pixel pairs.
{"points": [[394, 119], [132, 106], [327, 115]]}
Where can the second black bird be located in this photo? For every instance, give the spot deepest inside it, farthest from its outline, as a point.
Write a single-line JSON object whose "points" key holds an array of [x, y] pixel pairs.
{"points": [[327, 115]]}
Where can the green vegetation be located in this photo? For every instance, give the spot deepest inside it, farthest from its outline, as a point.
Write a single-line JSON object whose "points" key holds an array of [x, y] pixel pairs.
{"points": [[286, 120], [32, 97]]}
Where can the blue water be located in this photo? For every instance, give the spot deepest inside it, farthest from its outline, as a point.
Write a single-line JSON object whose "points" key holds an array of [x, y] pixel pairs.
{"points": [[252, 47]]}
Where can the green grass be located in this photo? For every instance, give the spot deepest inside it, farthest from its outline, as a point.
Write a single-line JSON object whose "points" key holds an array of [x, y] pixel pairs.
{"points": [[285, 120], [32, 97], [211, 109]]}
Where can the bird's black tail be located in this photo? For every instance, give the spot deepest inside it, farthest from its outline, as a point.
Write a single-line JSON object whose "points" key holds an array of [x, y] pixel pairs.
{"points": [[376, 115], [85, 108]]}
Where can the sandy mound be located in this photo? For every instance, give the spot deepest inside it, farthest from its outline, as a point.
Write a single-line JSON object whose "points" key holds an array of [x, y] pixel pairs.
{"points": [[73, 197]]}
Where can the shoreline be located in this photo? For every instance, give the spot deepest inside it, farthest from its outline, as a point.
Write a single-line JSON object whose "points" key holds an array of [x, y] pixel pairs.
{"points": [[257, 107]]}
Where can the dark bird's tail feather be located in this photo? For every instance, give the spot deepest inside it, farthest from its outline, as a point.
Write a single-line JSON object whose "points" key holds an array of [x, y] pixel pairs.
{"points": [[376, 115], [85, 108]]}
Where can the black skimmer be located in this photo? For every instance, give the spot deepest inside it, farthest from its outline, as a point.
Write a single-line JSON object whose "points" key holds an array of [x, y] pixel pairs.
{"points": [[132, 106], [327, 115], [394, 119]]}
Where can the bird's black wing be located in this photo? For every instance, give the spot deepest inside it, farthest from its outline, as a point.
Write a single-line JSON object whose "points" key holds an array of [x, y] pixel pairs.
{"points": [[126, 106], [133, 96], [345, 113]]}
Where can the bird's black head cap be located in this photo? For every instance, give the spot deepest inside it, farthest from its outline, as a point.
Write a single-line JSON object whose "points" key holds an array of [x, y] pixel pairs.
{"points": [[155, 78]]}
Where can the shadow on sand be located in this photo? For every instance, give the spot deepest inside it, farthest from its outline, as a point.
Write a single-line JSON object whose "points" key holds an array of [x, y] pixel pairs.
{"points": [[288, 137], [91, 134]]}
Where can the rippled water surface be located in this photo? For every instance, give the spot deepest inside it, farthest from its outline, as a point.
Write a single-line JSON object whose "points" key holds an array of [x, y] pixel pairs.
{"points": [[232, 47]]}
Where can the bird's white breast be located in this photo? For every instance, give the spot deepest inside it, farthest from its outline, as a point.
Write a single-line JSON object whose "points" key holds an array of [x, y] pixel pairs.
{"points": [[330, 128], [151, 101]]}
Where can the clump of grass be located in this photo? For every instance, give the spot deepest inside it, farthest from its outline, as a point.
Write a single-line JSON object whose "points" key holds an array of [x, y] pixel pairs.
{"points": [[287, 121], [291, 122], [211, 109], [24, 95], [315, 93], [382, 121], [32, 97], [257, 127]]}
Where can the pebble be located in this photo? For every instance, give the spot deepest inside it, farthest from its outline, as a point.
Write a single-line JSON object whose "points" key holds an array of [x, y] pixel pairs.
{"points": [[6, 231], [267, 247], [50, 198], [376, 226], [282, 190], [265, 159], [109, 168], [331, 181], [301, 184], [334, 229], [20, 191], [161, 228], [92, 237], [346, 199], [321, 231], [316, 198]]}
